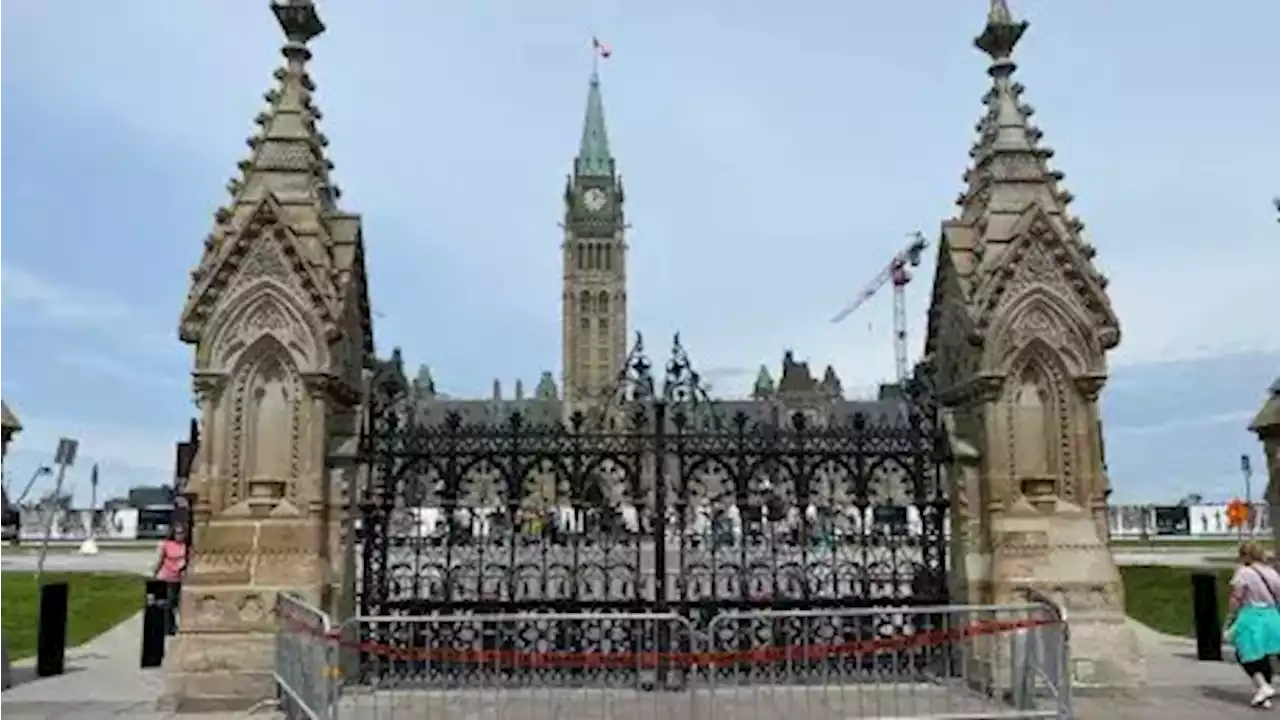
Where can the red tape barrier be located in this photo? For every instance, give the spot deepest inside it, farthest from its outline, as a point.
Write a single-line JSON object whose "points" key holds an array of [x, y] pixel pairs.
{"points": [[651, 659]]}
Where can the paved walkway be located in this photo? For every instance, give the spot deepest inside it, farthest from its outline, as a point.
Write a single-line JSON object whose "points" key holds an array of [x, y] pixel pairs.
{"points": [[1179, 687], [102, 680]]}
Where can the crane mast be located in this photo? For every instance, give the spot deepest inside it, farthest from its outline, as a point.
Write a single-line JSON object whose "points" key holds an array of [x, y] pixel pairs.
{"points": [[898, 273]]}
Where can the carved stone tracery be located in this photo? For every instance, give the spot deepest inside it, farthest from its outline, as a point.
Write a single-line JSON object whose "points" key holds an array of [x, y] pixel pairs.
{"points": [[267, 394], [1040, 258], [1038, 425]]}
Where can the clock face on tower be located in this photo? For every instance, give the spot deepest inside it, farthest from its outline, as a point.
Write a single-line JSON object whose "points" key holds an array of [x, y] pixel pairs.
{"points": [[595, 199]]}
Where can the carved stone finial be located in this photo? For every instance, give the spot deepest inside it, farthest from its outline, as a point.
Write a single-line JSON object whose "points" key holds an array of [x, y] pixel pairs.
{"points": [[298, 19], [1001, 33]]}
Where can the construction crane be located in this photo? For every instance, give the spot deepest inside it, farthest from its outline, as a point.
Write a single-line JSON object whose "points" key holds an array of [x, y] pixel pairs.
{"points": [[898, 273]]}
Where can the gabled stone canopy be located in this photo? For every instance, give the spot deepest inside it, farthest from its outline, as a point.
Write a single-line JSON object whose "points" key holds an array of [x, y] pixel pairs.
{"points": [[1013, 262], [281, 250]]}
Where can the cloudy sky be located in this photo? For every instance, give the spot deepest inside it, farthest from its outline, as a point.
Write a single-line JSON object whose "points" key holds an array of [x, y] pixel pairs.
{"points": [[775, 154]]}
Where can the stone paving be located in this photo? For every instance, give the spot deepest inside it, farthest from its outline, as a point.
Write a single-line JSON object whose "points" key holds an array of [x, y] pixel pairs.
{"points": [[1179, 687], [102, 680]]}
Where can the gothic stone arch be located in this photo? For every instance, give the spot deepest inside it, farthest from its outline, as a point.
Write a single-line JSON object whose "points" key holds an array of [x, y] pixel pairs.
{"points": [[262, 423], [1050, 363]]}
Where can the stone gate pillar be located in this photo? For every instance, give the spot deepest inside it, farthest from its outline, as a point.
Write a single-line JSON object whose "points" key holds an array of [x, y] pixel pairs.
{"points": [[1019, 329], [1266, 425], [279, 318]]}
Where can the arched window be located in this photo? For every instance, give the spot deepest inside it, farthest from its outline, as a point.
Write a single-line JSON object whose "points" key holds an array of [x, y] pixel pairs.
{"points": [[582, 261], [584, 303], [602, 305], [608, 257]]}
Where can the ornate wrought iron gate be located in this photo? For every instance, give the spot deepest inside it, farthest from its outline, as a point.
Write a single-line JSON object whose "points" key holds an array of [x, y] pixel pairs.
{"points": [[656, 502]]}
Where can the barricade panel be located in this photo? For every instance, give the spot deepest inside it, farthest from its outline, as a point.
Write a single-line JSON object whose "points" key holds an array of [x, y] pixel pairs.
{"points": [[306, 651], [944, 663]]}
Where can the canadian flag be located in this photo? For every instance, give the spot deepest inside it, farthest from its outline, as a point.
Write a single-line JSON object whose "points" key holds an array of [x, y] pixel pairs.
{"points": [[604, 50]]}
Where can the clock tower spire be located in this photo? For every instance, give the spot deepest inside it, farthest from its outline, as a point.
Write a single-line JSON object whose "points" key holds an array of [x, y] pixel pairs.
{"points": [[594, 300]]}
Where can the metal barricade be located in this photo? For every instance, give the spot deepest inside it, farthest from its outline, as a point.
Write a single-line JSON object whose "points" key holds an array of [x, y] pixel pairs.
{"points": [[544, 666], [942, 663], [306, 654]]}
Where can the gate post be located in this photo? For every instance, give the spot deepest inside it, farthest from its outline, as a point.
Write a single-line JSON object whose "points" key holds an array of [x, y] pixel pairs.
{"points": [[660, 532]]}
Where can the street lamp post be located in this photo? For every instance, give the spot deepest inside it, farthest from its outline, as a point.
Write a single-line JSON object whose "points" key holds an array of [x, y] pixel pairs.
{"points": [[64, 458], [1246, 469]]}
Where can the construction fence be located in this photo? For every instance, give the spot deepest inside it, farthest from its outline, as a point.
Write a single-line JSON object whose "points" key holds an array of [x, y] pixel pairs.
{"points": [[952, 663]]}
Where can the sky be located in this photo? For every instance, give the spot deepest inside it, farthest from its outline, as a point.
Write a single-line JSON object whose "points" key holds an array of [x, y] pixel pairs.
{"points": [[776, 155]]}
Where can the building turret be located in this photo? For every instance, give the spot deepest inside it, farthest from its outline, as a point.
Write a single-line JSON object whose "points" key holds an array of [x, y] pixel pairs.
{"points": [[764, 388], [830, 385], [546, 389]]}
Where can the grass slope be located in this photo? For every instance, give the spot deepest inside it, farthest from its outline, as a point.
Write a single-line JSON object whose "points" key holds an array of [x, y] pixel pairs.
{"points": [[1160, 597], [96, 603]]}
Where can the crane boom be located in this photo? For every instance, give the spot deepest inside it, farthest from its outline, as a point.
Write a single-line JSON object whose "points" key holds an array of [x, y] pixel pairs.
{"points": [[895, 272]]}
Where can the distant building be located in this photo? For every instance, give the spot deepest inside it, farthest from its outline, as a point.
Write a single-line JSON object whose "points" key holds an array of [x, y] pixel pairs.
{"points": [[594, 312], [151, 497], [9, 426]]}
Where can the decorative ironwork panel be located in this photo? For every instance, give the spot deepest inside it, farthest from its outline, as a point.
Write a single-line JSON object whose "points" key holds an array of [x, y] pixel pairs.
{"points": [[653, 502]]}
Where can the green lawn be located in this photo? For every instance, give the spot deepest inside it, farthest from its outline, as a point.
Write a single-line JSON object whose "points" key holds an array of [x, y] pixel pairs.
{"points": [[1160, 597], [96, 603], [32, 547]]}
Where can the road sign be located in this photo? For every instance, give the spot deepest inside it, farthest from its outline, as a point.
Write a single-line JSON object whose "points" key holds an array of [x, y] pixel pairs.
{"points": [[66, 454]]}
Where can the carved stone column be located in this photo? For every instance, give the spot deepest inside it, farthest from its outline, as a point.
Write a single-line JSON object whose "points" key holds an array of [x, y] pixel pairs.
{"points": [[1057, 546], [246, 551], [1266, 425], [1094, 485]]}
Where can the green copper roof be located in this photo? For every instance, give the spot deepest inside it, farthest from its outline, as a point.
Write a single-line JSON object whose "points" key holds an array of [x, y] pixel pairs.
{"points": [[594, 159]]}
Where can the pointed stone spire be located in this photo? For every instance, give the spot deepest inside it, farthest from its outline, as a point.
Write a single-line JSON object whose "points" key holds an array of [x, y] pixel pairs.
{"points": [[1010, 168], [1010, 131], [288, 151], [285, 179], [593, 158]]}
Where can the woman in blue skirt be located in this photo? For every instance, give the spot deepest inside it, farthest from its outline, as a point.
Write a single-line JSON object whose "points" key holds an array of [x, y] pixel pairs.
{"points": [[1253, 619]]}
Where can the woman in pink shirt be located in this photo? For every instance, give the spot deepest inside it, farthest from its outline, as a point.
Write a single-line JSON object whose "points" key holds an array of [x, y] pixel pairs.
{"points": [[1253, 619], [171, 566]]}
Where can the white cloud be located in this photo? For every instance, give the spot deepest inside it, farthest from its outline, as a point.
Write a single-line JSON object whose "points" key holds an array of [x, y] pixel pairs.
{"points": [[51, 302], [794, 203], [1182, 423]]}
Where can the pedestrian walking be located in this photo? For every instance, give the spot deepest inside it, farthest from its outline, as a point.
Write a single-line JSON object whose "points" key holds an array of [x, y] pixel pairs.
{"points": [[171, 567], [1253, 619]]}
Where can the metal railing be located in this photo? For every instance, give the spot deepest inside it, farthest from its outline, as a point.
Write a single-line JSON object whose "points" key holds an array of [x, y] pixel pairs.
{"points": [[306, 657], [955, 662], [943, 663]]}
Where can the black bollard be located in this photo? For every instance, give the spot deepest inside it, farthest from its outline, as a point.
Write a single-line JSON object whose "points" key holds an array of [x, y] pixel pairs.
{"points": [[155, 621], [51, 641], [1204, 608]]}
